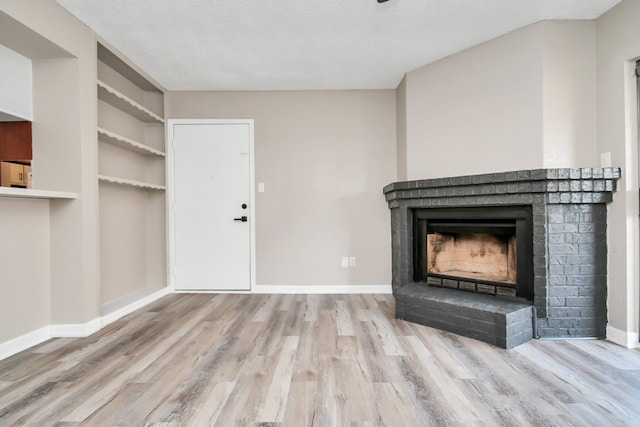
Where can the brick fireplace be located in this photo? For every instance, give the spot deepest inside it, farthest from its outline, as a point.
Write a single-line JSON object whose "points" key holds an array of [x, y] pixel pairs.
{"points": [[559, 289]]}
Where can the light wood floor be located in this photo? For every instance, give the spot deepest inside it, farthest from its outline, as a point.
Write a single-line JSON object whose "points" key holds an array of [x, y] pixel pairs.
{"points": [[320, 360]]}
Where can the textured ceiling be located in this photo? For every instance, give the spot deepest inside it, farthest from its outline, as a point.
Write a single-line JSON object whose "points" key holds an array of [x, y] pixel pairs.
{"points": [[305, 44]]}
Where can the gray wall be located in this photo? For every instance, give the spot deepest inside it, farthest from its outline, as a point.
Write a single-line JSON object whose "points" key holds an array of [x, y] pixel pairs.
{"points": [[401, 129], [479, 111], [324, 158], [618, 46], [521, 101], [25, 295]]}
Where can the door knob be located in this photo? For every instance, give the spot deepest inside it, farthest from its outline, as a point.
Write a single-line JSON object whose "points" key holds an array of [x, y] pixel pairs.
{"points": [[242, 219]]}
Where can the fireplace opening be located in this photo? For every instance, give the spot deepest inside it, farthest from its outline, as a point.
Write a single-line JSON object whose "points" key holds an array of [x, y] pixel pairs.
{"points": [[473, 255], [484, 250]]}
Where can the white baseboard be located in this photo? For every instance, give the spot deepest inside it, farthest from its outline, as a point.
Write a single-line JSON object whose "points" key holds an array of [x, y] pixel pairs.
{"points": [[23, 342], [330, 289], [625, 339], [78, 330], [75, 330], [109, 318]]}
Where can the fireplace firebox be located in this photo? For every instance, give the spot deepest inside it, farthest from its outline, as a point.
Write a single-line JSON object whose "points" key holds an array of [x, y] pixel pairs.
{"points": [[484, 249]]}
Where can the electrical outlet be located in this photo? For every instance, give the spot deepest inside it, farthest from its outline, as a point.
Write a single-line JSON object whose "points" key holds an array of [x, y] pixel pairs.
{"points": [[605, 160], [345, 261], [352, 261]]}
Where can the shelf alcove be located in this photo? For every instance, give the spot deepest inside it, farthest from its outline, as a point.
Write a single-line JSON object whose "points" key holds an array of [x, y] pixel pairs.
{"points": [[131, 177]]}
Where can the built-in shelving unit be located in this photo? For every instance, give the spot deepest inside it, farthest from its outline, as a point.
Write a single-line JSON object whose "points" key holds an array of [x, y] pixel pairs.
{"points": [[131, 177]]}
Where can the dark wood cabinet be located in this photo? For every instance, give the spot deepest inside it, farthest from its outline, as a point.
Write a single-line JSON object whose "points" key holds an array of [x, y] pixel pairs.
{"points": [[15, 141]]}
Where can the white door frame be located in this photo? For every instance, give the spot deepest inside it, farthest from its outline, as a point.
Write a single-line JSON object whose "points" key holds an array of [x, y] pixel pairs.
{"points": [[170, 197]]}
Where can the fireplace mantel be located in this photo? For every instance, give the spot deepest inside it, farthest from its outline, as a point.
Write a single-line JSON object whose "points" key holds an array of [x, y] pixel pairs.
{"points": [[569, 242]]}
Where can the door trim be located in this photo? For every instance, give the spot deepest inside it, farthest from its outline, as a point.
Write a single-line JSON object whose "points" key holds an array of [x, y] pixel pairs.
{"points": [[170, 170]]}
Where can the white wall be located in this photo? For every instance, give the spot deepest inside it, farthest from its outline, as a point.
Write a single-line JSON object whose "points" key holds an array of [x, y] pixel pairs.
{"points": [[401, 130], [569, 97], [25, 283], [525, 100], [324, 158], [16, 101], [617, 47], [478, 111]]}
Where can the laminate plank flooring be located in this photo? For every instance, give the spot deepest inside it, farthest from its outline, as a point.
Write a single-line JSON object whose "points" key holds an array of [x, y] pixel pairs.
{"points": [[310, 360]]}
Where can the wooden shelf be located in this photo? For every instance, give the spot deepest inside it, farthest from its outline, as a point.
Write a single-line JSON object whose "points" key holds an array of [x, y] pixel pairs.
{"points": [[127, 143], [131, 183], [29, 193], [122, 102]]}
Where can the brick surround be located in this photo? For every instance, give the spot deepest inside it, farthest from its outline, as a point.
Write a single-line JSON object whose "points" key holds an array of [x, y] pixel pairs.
{"points": [[569, 243]]}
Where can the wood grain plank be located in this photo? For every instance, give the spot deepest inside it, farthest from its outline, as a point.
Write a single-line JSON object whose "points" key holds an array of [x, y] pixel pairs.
{"points": [[394, 407], [118, 408], [386, 335], [302, 410], [380, 367], [359, 308], [207, 410], [306, 368], [185, 395], [457, 406], [343, 319], [311, 308], [273, 408], [436, 342], [266, 309]]}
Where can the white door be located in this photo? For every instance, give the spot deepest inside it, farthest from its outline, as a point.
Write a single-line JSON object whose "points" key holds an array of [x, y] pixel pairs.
{"points": [[212, 205]]}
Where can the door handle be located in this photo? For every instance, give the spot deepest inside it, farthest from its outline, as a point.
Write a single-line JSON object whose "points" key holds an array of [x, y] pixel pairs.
{"points": [[242, 219]]}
